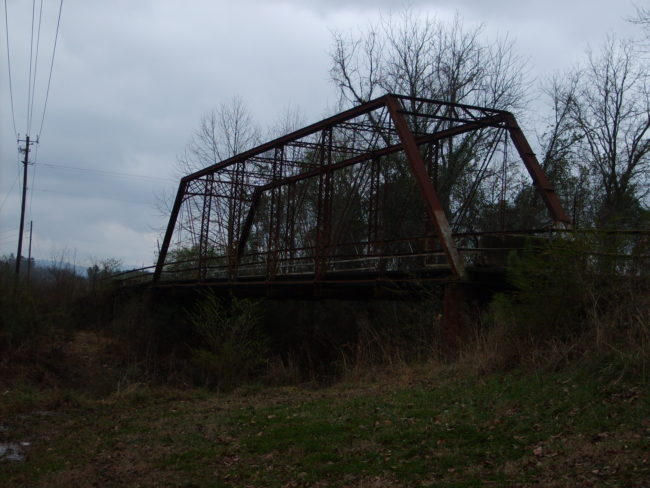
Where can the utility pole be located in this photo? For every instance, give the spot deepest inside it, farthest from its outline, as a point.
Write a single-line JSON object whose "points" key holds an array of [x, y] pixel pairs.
{"points": [[29, 256], [25, 150]]}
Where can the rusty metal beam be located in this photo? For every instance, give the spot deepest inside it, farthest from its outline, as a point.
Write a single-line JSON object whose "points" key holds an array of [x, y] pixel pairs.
{"points": [[464, 106], [162, 254], [330, 122], [495, 121], [429, 194], [246, 229], [299, 134], [544, 187]]}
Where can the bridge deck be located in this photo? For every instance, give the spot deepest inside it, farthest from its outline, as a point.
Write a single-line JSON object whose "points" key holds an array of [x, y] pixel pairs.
{"points": [[345, 285]]}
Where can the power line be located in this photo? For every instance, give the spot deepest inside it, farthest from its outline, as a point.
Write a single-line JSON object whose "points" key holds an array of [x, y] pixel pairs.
{"points": [[7, 244], [31, 59], [33, 81], [31, 100], [94, 197], [10, 190], [105, 172], [9, 235], [49, 78], [8, 241], [11, 92], [33, 185]]}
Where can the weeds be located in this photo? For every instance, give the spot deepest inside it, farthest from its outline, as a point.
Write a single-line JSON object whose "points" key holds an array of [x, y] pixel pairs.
{"points": [[573, 301], [231, 346], [569, 304]]}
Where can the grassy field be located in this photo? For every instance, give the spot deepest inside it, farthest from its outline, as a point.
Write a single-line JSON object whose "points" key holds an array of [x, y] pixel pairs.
{"points": [[419, 426]]}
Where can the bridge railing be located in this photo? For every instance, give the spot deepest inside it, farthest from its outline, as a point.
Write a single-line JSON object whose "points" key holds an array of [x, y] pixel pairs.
{"points": [[621, 251]]}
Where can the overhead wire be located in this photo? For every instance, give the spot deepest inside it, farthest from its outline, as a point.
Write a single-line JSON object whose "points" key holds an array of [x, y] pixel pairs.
{"points": [[34, 55], [11, 91], [13, 184], [32, 187], [8, 239], [49, 78], [9, 192], [104, 172], [8, 236], [31, 62], [33, 80], [47, 94], [117, 174], [94, 197]]}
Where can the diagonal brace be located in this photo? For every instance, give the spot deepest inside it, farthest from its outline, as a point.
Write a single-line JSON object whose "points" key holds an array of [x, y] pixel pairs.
{"points": [[429, 194]]}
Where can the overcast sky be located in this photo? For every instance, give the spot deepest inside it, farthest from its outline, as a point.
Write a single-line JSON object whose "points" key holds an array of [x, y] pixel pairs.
{"points": [[131, 80]]}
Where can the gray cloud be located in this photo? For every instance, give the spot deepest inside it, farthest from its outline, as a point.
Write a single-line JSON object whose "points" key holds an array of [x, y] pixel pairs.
{"points": [[132, 79]]}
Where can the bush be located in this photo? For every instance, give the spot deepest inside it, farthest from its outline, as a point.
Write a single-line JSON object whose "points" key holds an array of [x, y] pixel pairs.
{"points": [[550, 281], [18, 318], [32, 310], [232, 347], [575, 297]]}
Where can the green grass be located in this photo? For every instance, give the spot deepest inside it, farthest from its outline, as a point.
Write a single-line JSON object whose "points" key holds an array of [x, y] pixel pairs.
{"points": [[514, 429]]}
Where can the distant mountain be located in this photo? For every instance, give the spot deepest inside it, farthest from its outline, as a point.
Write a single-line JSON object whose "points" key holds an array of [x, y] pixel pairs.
{"points": [[43, 266], [48, 263]]}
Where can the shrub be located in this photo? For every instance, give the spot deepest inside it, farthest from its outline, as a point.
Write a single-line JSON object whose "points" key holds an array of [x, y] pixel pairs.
{"points": [[232, 347], [574, 297], [18, 318], [550, 281]]}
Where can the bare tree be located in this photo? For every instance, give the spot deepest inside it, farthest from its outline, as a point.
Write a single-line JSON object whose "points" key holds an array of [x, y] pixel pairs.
{"points": [[642, 18], [420, 56], [610, 110], [291, 119], [208, 224], [558, 144], [223, 132]]}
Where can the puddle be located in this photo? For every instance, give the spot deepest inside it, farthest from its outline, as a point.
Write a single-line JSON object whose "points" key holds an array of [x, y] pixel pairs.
{"points": [[10, 451]]}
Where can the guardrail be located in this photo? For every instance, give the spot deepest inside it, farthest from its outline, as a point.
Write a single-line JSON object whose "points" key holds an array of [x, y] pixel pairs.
{"points": [[478, 249]]}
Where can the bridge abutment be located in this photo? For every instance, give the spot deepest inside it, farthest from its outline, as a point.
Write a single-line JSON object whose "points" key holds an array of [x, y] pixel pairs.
{"points": [[462, 305]]}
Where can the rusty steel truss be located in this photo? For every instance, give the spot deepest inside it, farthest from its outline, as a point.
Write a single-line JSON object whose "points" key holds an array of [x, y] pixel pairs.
{"points": [[398, 185]]}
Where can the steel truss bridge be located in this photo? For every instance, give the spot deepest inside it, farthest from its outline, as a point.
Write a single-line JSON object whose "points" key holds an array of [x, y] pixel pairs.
{"points": [[397, 190]]}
